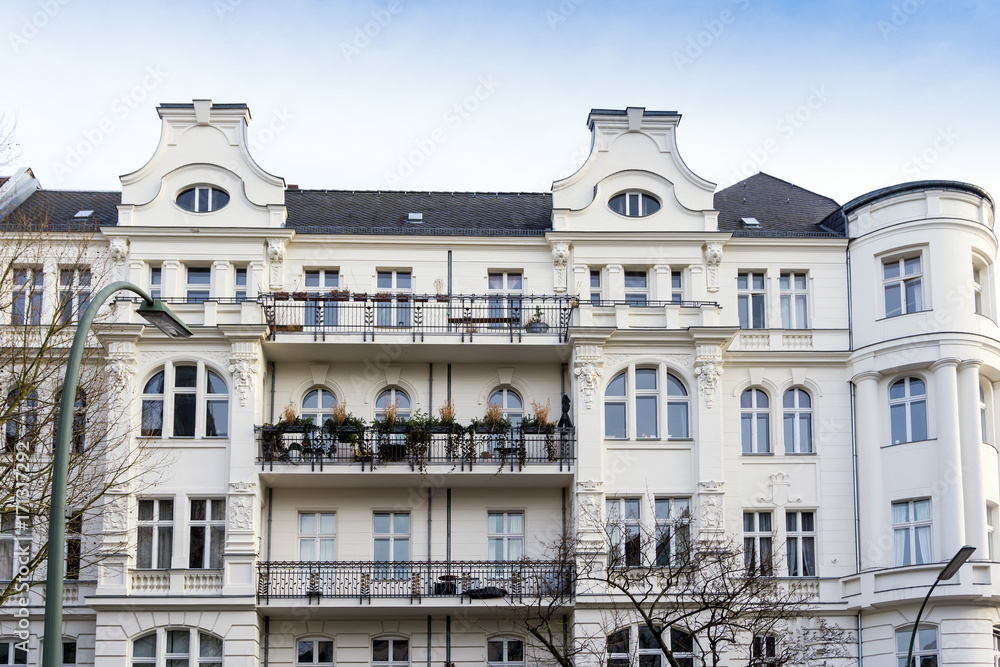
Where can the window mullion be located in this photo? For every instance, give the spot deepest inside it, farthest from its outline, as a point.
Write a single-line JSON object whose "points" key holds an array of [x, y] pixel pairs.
{"points": [[167, 430], [630, 406], [200, 406]]}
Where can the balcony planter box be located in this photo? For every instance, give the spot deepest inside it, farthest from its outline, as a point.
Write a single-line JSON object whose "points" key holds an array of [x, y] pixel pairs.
{"points": [[343, 295], [382, 296], [288, 327], [420, 299], [402, 297], [443, 298], [536, 327], [299, 296], [360, 296], [486, 593], [281, 296]]}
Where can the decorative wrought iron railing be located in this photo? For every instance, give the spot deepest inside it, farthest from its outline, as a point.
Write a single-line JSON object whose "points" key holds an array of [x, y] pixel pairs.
{"points": [[415, 580], [465, 316], [463, 449]]}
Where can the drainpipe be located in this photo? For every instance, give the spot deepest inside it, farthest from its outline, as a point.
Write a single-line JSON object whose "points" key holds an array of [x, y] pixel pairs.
{"points": [[267, 638], [861, 660], [271, 365], [429, 639], [270, 504], [449, 381], [430, 388], [447, 632]]}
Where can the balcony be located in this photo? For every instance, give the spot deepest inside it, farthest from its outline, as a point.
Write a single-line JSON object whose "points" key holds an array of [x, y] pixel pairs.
{"points": [[463, 581], [315, 448], [417, 316]]}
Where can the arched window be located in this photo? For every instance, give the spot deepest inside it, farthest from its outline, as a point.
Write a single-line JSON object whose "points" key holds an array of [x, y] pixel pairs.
{"points": [[216, 406], [198, 405], [391, 652], [10, 654], [78, 437], [925, 646], [511, 403], [755, 423], [623, 651], [317, 406], [181, 647], [996, 645], [632, 400], [22, 418], [314, 652], [908, 410], [764, 651], [505, 652], [797, 421], [392, 396], [152, 407]]}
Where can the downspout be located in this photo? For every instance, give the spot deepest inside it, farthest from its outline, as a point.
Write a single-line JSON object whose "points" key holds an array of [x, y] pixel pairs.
{"points": [[267, 638], [447, 639], [449, 272], [430, 518], [271, 365], [429, 640], [430, 388], [448, 522], [854, 440], [861, 660], [270, 504], [449, 381]]}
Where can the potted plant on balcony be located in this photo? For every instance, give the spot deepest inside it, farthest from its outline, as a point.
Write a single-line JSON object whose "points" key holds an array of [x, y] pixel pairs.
{"points": [[382, 296], [439, 288], [343, 427], [418, 439], [271, 443], [494, 430], [447, 424], [339, 295], [538, 424], [291, 422], [536, 324], [360, 296], [390, 433]]}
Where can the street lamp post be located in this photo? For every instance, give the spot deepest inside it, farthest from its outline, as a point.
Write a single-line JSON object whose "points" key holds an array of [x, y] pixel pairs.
{"points": [[162, 318], [949, 571]]}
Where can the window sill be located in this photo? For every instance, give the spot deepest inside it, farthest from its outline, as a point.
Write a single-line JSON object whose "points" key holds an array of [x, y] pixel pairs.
{"points": [[892, 317], [758, 453], [909, 442], [800, 453]]}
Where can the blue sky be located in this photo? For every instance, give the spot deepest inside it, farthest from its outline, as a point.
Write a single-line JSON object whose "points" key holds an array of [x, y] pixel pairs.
{"points": [[841, 97]]}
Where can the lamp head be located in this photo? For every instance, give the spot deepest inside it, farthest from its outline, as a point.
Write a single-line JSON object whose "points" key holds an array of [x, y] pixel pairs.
{"points": [[164, 319], [957, 561]]}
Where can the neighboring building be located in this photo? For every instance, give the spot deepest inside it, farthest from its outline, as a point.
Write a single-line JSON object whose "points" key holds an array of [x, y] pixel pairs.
{"points": [[783, 366]]}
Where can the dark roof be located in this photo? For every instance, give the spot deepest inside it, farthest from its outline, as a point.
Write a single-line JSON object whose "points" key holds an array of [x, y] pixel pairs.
{"points": [[444, 213], [56, 209], [783, 209]]}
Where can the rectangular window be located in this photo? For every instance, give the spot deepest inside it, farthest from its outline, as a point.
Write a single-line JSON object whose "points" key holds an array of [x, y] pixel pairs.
{"points": [[15, 535], [68, 653], [673, 530], [977, 287], [911, 528], [750, 297], [74, 537], [11, 653], [155, 534], [393, 308], [208, 533], [241, 285], [757, 543], [764, 652], [74, 294], [925, 647], [624, 531], [199, 281], [676, 286], [317, 536], [990, 531], [392, 544], [321, 313], [800, 543], [794, 301], [504, 300], [185, 400], [155, 281], [506, 536], [902, 285], [636, 288], [27, 305], [595, 287]]}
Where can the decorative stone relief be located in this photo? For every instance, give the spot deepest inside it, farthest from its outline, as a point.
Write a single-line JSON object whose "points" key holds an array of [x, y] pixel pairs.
{"points": [[242, 487], [244, 369], [121, 369], [711, 486], [708, 373], [116, 514], [560, 262], [118, 249], [711, 513], [276, 259], [241, 512], [713, 258], [777, 491], [589, 374]]}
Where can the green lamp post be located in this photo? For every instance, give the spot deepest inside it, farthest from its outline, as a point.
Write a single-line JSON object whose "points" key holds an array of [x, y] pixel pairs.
{"points": [[163, 319], [949, 571]]}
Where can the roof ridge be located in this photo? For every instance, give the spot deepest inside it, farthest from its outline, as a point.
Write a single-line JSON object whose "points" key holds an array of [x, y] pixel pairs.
{"points": [[490, 193], [796, 185]]}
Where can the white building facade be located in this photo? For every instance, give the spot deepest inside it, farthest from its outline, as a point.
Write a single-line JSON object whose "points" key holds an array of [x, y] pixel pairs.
{"points": [[776, 365]]}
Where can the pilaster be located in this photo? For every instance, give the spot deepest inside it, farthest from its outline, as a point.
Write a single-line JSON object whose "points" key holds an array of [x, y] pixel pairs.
{"points": [[951, 496], [873, 509]]}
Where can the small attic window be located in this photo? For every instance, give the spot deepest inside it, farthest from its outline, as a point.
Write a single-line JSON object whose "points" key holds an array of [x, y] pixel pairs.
{"points": [[202, 199], [84, 214], [634, 204], [751, 223], [416, 218]]}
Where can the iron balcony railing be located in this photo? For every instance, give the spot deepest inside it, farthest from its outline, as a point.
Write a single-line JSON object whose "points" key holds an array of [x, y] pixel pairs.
{"points": [[462, 448], [418, 315], [512, 581]]}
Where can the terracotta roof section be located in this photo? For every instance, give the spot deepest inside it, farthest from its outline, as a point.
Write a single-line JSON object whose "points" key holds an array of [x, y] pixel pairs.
{"points": [[781, 208]]}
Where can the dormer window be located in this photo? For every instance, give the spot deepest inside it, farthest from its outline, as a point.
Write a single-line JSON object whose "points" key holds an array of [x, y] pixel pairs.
{"points": [[202, 199], [634, 204]]}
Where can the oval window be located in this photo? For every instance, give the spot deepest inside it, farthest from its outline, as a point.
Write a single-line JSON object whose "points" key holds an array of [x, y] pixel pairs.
{"points": [[202, 199], [634, 204]]}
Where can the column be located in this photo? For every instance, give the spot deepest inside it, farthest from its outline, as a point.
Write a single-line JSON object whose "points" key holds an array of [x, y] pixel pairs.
{"points": [[972, 460], [220, 279], [873, 507], [661, 282], [950, 511], [616, 283], [171, 271]]}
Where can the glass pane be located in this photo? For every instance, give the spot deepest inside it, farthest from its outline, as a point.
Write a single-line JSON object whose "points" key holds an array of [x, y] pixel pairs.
{"points": [[614, 420], [184, 412], [761, 398], [800, 312], [632, 509], [617, 386], [305, 652], [312, 280], [515, 650], [897, 390], [217, 419], [328, 524], [927, 639], [646, 638], [198, 510], [677, 420], [400, 550], [890, 270], [900, 512], [914, 299], [400, 650], [617, 204], [633, 204], [645, 378], [216, 385], [327, 399], [203, 199], [764, 522], [917, 387], [154, 385], [635, 279], [746, 433], [918, 416], [675, 387], [403, 280], [513, 400], [496, 281], [186, 200], [897, 421], [331, 279], [382, 550], [758, 280], [911, 266], [307, 523], [645, 417], [307, 549], [403, 400], [384, 279], [325, 652], [495, 523], [893, 300], [196, 548], [922, 510], [763, 437], [381, 522], [401, 523], [178, 641], [209, 646], [152, 418], [380, 650], [619, 641], [757, 307], [144, 647], [800, 281], [805, 433], [186, 376], [788, 430], [515, 524], [741, 281], [786, 311], [199, 276]]}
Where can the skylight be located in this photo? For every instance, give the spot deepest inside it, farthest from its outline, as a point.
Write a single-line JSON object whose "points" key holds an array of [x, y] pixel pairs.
{"points": [[415, 217], [84, 214], [751, 222]]}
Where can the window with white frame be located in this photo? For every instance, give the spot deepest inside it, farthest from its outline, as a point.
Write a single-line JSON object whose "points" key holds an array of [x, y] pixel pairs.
{"points": [[632, 400], [925, 647], [800, 543], [505, 652], [391, 652], [389, 397], [504, 298], [29, 284], [155, 281], [505, 536], [178, 647], [318, 405], [797, 421], [321, 312], [74, 546], [908, 410], [764, 651], [202, 199], [991, 523], [22, 419], [634, 204], [10, 654], [78, 435], [624, 528], [15, 536], [190, 385], [645, 650], [208, 533], [510, 402], [758, 540], [647, 399], [314, 652], [996, 646], [199, 281], [676, 286], [155, 533], [678, 409], [755, 421], [983, 421], [751, 300], [240, 284], [902, 285], [595, 287], [673, 530], [394, 310], [74, 293], [152, 407], [794, 301], [68, 653], [317, 536], [391, 533], [636, 288], [911, 529]]}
